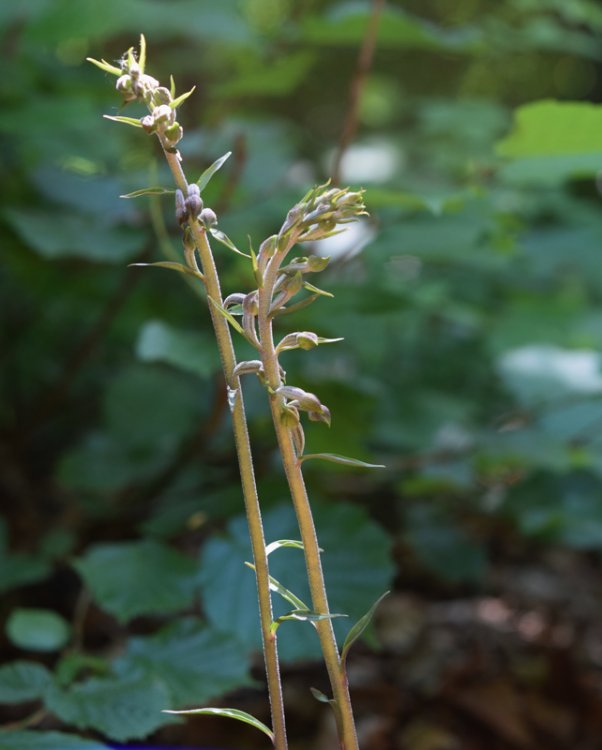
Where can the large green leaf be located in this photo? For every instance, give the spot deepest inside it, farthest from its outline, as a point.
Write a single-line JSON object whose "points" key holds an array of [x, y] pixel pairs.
{"points": [[138, 578], [54, 234], [552, 141], [356, 562], [188, 350], [195, 662], [23, 681], [31, 740], [122, 708]]}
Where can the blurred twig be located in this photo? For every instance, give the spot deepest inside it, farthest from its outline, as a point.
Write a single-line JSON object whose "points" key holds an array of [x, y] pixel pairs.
{"points": [[364, 63]]}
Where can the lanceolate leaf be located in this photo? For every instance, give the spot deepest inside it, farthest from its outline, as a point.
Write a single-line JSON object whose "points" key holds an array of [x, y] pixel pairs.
{"points": [[304, 615], [204, 179], [158, 190], [172, 265], [231, 713], [226, 241], [359, 627], [230, 318], [133, 121], [344, 460], [273, 546], [284, 592], [319, 695], [317, 290], [179, 99]]}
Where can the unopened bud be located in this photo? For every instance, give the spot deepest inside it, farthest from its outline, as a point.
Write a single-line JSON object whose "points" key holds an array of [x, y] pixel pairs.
{"points": [[148, 123], [163, 114], [181, 211], [161, 95], [173, 134], [134, 69], [207, 217]]}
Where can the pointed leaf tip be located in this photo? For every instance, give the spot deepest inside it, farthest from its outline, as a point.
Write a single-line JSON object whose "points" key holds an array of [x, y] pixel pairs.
{"points": [[359, 627], [203, 180], [231, 713], [343, 460]]}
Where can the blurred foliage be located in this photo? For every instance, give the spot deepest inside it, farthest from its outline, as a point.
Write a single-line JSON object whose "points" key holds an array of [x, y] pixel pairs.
{"points": [[469, 303]]}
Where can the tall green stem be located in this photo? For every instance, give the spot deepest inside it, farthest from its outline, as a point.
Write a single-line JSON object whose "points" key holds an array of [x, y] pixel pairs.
{"points": [[243, 449], [294, 475]]}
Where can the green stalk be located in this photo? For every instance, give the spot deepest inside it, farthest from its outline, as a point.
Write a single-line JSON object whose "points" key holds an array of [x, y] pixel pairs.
{"points": [[243, 449], [294, 475]]}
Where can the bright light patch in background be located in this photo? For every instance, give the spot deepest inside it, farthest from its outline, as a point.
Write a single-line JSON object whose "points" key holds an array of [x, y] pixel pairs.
{"points": [[545, 371], [365, 163]]}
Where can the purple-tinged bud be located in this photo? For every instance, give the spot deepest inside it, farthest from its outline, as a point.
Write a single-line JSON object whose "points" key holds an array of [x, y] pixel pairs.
{"points": [[134, 70], [194, 204], [124, 84], [163, 114], [181, 211], [161, 95], [208, 217], [148, 124]]}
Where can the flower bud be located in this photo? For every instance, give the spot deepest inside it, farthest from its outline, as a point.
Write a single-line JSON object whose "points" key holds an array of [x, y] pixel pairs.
{"points": [[173, 134], [161, 95], [134, 69], [148, 124], [181, 211], [124, 86], [207, 217], [163, 114]]}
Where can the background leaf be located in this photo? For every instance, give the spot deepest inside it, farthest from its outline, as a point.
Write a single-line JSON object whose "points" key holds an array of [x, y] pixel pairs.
{"points": [[37, 629], [136, 578]]}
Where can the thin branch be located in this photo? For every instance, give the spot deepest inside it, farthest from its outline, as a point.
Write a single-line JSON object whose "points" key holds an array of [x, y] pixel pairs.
{"points": [[364, 63]]}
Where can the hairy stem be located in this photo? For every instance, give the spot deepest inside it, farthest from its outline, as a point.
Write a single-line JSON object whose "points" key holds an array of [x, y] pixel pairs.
{"points": [[243, 449], [294, 475]]}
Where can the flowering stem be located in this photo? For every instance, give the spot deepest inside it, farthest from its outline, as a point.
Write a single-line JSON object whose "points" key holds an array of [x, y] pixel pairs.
{"points": [[294, 475], [243, 449]]}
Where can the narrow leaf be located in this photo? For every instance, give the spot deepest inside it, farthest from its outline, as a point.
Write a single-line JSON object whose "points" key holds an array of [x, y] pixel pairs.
{"points": [[273, 546], [180, 267], [284, 592], [104, 65], [305, 615], [203, 180], [133, 121], [230, 318], [225, 240], [316, 290], [148, 191], [297, 306], [172, 86], [319, 695], [344, 460], [231, 713], [178, 100], [359, 628], [142, 55]]}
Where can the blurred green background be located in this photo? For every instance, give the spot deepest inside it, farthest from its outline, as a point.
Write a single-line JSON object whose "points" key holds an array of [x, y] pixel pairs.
{"points": [[470, 303]]}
